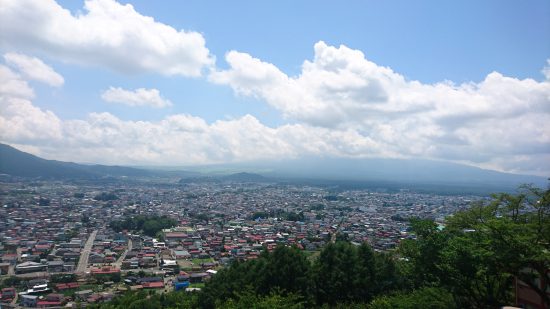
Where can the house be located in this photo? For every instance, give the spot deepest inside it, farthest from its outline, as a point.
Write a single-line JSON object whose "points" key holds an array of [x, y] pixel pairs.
{"points": [[51, 300], [30, 257], [148, 261], [4, 268], [71, 256], [69, 267], [169, 264], [30, 267], [66, 286], [153, 285], [83, 295], [55, 266], [198, 277], [28, 300], [34, 282], [10, 258], [182, 254], [96, 258], [181, 285], [8, 294], [105, 270], [175, 236], [130, 264], [149, 280]]}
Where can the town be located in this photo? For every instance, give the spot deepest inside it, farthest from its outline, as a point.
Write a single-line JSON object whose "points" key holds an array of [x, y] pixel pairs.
{"points": [[71, 244]]}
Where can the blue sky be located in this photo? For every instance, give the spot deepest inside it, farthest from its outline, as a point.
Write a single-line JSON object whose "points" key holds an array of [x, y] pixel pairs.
{"points": [[434, 103]]}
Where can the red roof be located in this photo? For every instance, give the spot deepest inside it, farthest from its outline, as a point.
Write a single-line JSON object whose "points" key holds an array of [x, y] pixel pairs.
{"points": [[105, 270], [48, 303], [153, 285], [175, 235], [64, 286], [61, 286]]}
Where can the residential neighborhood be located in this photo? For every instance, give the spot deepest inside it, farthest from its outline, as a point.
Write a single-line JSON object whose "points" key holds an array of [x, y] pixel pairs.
{"points": [[62, 244]]}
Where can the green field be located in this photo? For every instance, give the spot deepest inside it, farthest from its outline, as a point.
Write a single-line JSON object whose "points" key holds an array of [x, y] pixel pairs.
{"points": [[200, 261]]}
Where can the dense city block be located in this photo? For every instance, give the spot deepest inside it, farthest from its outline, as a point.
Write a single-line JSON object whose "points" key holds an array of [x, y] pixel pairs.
{"points": [[74, 243]]}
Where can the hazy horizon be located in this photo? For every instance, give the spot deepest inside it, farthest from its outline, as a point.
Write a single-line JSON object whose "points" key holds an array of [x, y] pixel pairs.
{"points": [[135, 83]]}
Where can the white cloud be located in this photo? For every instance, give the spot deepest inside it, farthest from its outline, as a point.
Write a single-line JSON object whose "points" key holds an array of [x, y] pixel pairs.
{"points": [[34, 68], [138, 97], [176, 139], [546, 70], [344, 106], [108, 34], [489, 123], [12, 85], [20, 120]]}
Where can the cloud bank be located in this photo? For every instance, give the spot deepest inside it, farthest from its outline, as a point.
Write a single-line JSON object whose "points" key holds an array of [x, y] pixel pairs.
{"points": [[498, 122], [108, 34]]}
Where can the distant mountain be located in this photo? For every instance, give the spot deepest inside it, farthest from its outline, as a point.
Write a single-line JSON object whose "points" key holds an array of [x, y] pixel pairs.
{"points": [[245, 177], [425, 175], [219, 178], [17, 163], [385, 173], [402, 170]]}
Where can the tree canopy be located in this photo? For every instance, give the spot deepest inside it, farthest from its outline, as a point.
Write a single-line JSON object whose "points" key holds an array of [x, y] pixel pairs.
{"points": [[149, 225]]}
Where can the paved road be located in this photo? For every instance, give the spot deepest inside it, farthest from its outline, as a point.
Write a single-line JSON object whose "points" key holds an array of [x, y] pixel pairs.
{"points": [[118, 263], [83, 261], [11, 269]]}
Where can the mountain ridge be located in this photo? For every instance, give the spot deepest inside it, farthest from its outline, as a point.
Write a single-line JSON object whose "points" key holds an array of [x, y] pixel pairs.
{"points": [[316, 170]]}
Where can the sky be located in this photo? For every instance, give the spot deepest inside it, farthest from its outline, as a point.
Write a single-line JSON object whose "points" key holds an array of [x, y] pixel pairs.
{"points": [[179, 83]]}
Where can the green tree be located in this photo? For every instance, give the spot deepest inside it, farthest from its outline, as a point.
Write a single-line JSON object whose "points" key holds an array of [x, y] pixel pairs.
{"points": [[345, 273], [423, 254], [472, 274], [427, 298], [512, 232], [274, 300]]}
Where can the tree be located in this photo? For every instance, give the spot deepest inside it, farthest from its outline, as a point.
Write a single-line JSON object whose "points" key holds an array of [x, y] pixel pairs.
{"points": [[11, 281], [63, 278], [150, 225], [335, 273], [423, 254], [345, 273], [274, 300], [428, 298], [513, 234]]}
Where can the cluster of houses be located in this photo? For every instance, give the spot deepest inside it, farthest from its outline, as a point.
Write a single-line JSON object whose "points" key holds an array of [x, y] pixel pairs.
{"points": [[46, 225]]}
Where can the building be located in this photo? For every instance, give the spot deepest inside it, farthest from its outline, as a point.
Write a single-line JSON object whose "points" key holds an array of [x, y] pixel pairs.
{"points": [[30, 267]]}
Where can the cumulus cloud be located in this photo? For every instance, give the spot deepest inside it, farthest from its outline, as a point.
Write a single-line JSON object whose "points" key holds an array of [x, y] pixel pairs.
{"points": [[13, 85], [138, 97], [107, 33], [342, 104], [20, 120], [34, 68], [487, 123], [177, 139]]}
